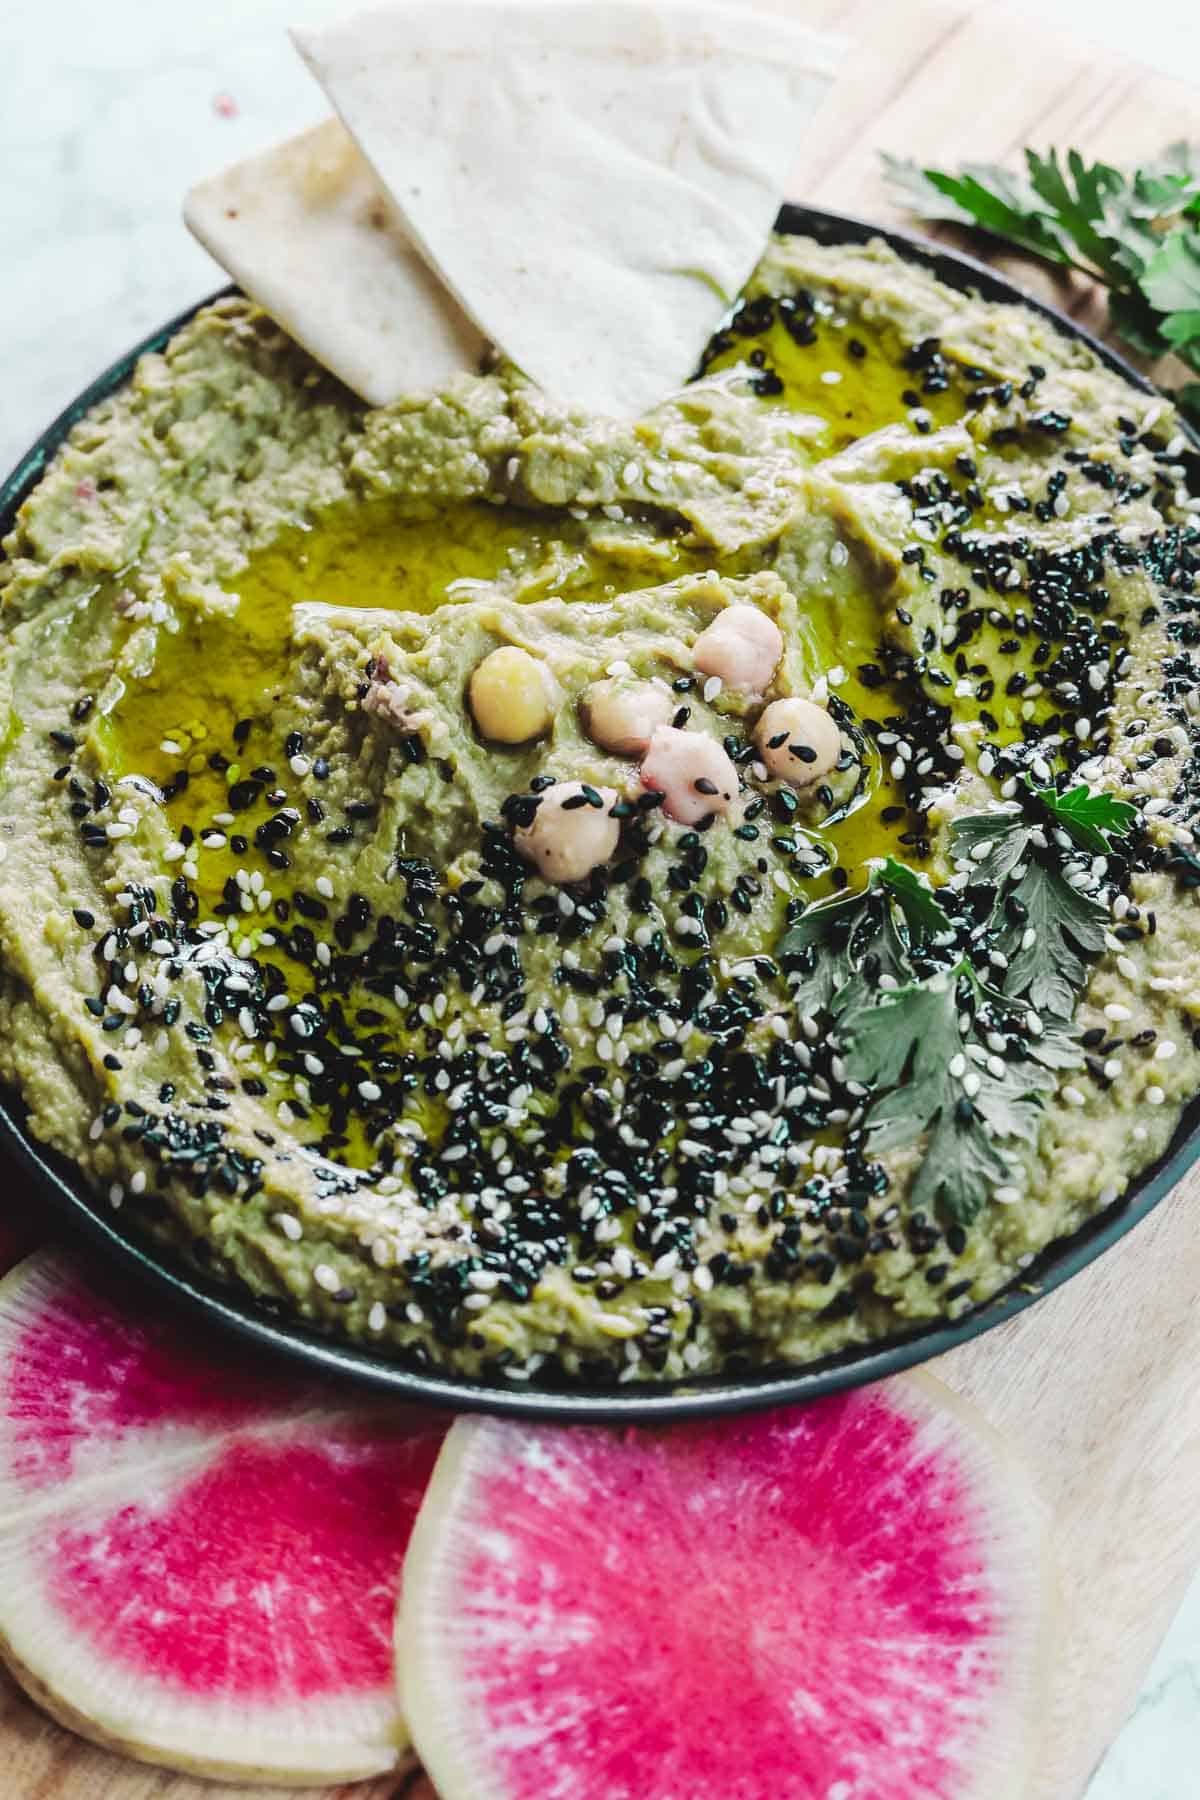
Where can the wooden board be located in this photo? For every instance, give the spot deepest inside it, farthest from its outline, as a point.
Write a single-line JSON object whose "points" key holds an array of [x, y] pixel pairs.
{"points": [[1098, 1383]]}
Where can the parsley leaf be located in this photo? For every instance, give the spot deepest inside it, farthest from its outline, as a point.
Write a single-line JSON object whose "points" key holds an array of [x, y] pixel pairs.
{"points": [[1088, 818], [980, 194], [1034, 900], [1137, 231], [924, 913], [1050, 969], [992, 843], [912, 1050], [821, 938], [1171, 279], [835, 937], [1078, 198]]}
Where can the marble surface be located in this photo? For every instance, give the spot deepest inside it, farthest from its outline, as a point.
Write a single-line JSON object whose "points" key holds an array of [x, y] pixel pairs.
{"points": [[110, 111]]}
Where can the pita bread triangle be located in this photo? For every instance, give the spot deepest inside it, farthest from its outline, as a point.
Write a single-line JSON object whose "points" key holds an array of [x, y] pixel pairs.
{"points": [[594, 180], [306, 230]]}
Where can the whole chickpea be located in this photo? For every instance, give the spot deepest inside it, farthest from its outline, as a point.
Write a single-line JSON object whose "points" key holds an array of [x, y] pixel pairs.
{"points": [[513, 696]]}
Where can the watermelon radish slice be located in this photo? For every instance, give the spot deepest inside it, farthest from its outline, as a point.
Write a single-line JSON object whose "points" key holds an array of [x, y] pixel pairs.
{"points": [[838, 1602], [198, 1560]]}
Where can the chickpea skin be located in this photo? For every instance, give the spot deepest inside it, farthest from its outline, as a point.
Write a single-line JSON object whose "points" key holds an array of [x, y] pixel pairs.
{"points": [[513, 696], [691, 771], [797, 741], [742, 646], [620, 714], [570, 835]]}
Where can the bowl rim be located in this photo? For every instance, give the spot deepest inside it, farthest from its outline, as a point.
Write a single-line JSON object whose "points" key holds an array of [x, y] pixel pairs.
{"points": [[259, 1323]]}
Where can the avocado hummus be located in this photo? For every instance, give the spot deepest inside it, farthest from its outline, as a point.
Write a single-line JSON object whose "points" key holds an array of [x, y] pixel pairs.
{"points": [[822, 1055]]}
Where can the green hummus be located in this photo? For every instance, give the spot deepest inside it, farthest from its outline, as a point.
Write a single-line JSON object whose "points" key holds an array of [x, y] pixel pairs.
{"points": [[821, 1067]]}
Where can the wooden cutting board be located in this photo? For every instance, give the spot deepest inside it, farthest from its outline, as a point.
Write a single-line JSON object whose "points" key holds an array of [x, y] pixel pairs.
{"points": [[1098, 1383]]}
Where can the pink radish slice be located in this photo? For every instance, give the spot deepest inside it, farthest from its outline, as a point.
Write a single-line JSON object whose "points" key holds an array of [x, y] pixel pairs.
{"points": [[198, 1561], [838, 1602]]}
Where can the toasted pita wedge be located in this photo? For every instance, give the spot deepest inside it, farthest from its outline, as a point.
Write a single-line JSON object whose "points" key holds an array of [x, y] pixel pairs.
{"points": [[593, 180], [306, 230]]}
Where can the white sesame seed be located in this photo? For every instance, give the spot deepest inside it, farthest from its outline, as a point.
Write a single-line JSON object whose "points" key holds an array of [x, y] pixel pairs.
{"points": [[1117, 1013], [1073, 1096], [327, 1278], [377, 1317], [1155, 1096], [1166, 1050], [324, 887]]}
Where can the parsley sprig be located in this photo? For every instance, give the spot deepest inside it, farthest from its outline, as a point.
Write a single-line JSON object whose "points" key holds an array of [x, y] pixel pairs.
{"points": [[898, 971], [1044, 925], [847, 945], [918, 1050], [1136, 231]]}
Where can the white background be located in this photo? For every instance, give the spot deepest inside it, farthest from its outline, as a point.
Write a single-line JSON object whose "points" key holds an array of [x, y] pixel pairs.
{"points": [[109, 110]]}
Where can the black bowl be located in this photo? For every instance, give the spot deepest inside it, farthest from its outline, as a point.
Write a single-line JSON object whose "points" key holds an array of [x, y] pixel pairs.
{"points": [[272, 1332]]}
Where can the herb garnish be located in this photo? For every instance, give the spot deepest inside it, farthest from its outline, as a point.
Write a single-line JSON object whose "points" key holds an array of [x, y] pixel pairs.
{"points": [[1088, 818], [1043, 924], [899, 969], [850, 941], [917, 1050], [1136, 231]]}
